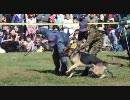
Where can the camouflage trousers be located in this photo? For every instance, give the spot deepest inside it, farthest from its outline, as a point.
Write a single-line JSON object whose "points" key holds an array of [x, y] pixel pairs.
{"points": [[96, 47]]}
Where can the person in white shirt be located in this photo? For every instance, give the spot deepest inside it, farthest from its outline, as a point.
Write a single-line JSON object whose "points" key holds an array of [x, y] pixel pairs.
{"points": [[68, 28], [29, 44]]}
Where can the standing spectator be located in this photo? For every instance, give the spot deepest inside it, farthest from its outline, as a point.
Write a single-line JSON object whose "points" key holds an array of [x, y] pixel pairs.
{"points": [[123, 15], [62, 18], [112, 37], [91, 18], [120, 30], [59, 20], [105, 17], [52, 19], [8, 17], [68, 28], [117, 17], [3, 19], [31, 29], [39, 18], [18, 18], [79, 15], [101, 19], [127, 33], [75, 17], [76, 26], [71, 16], [111, 18], [75, 20], [43, 18], [83, 29]]}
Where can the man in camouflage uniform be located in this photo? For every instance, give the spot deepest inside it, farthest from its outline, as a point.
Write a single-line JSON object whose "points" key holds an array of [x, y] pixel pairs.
{"points": [[94, 43], [95, 39]]}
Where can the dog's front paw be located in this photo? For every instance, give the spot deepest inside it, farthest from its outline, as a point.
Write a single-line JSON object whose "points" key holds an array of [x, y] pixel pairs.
{"points": [[71, 75], [103, 76], [67, 72]]}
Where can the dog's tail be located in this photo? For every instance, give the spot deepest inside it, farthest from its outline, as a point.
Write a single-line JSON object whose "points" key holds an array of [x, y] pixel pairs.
{"points": [[117, 64], [110, 73]]}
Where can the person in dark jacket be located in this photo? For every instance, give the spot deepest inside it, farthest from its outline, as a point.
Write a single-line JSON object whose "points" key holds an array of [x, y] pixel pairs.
{"points": [[58, 42], [127, 32], [18, 18], [83, 28]]}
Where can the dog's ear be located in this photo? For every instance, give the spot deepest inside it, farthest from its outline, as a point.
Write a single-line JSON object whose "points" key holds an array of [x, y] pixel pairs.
{"points": [[66, 49]]}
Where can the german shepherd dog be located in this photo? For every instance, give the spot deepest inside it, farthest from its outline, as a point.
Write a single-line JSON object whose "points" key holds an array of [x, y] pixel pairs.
{"points": [[94, 64]]}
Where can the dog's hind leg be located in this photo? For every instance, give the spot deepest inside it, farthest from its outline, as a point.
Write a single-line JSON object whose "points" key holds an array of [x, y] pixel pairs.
{"points": [[110, 73], [102, 76]]}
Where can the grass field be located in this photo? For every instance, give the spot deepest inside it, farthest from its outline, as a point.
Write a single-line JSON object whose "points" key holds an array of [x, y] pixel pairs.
{"points": [[37, 69]]}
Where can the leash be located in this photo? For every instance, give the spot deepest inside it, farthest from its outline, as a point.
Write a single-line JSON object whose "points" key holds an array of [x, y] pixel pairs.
{"points": [[26, 53]]}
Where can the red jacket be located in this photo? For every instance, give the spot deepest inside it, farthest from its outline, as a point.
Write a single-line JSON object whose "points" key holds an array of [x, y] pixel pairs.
{"points": [[52, 18], [110, 16], [110, 28]]}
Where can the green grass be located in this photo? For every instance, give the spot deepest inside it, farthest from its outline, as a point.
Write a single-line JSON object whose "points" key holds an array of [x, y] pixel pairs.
{"points": [[37, 69]]}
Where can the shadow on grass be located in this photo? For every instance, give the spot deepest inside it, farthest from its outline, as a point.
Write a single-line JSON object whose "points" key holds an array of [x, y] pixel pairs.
{"points": [[77, 74], [42, 71], [121, 57], [52, 71]]}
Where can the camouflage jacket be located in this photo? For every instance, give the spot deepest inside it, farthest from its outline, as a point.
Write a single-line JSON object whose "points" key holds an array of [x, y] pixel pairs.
{"points": [[94, 41]]}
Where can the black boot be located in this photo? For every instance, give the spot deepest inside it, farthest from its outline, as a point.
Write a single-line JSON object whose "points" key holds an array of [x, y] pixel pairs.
{"points": [[63, 69], [57, 72]]}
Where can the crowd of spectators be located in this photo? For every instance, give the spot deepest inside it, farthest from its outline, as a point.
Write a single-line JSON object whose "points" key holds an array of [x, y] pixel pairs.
{"points": [[21, 37]]}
